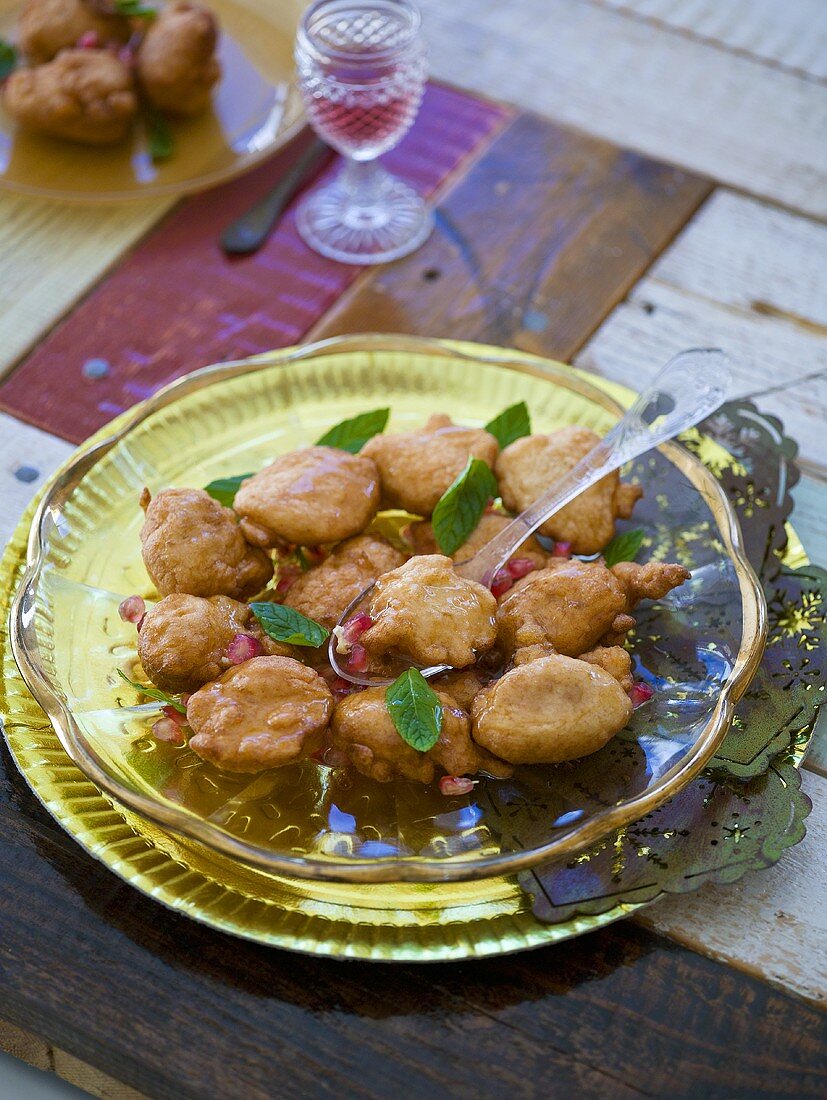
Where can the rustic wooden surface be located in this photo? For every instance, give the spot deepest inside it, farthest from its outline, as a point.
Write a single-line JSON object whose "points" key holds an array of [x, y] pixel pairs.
{"points": [[648, 85], [735, 92], [546, 233]]}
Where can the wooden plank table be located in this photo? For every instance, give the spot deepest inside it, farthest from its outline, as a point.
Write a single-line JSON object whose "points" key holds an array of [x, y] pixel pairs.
{"points": [[607, 258]]}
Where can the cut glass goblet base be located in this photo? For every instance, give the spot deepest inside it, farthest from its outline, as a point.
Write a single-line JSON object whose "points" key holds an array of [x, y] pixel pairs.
{"points": [[355, 229]]}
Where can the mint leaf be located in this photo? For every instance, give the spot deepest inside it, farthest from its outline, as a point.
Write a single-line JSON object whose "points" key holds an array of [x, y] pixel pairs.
{"points": [[352, 435], [224, 489], [415, 710], [159, 137], [8, 58], [512, 423], [133, 9], [154, 693], [624, 547], [459, 508], [285, 624]]}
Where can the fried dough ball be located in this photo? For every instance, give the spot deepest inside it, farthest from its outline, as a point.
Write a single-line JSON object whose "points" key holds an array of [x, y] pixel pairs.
{"points": [[49, 26], [612, 659], [183, 639], [651, 581], [191, 543], [425, 610], [324, 592], [417, 467], [463, 685], [364, 730], [316, 495], [529, 466], [421, 538], [176, 64], [569, 604], [86, 96], [548, 710], [268, 712], [574, 605]]}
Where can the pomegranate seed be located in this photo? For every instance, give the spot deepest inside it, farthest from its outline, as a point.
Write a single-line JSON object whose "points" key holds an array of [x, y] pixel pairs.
{"points": [[356, 626], [334, 758], [561, 550], [167, 730], [501, 583], [88, 41], [455, 784], [641, 693], [288, 575], [243, 648], [519, 567], [358, 660], [341, 688], [132, 610], [174, 715]]}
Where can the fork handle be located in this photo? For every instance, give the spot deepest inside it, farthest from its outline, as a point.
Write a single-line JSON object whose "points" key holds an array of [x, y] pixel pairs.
{"points": [[249, 232]]}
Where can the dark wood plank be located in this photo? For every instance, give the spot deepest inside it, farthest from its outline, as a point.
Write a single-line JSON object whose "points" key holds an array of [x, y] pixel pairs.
{"points": [[533, 248], [178, 1011]]}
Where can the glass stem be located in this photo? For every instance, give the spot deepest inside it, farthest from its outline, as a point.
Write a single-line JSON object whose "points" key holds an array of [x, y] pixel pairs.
{"points": [[364, 181]]}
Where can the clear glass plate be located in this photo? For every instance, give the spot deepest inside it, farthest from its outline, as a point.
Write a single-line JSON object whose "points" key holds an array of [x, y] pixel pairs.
{"points": [[256, 109], [698, 647]]}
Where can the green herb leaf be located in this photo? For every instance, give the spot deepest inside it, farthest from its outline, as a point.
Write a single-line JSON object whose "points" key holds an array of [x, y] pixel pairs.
{"points": [[285, 624], [459, 508], [352, 435], [159, 137], [415, 710], [513, 423], [624, 547], [134, 9], [154, 693], [8, 58], [224, 489]]}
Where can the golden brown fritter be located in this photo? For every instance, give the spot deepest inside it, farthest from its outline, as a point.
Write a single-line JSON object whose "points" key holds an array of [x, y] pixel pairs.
{"points": [[651, 581], [83, 95], [176, 64], [324, 592], [531, 465], [263, 714], [551, 709], [310, 497], [421, 538], [183, 639], [191, 543], [569, 604], [364, 731], [49, 26], [425, 610], [612, 659], [417, 467], [462, 685]]}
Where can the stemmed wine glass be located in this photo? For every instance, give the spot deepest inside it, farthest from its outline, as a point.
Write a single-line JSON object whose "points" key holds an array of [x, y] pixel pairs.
{"points": [[361, 67]]}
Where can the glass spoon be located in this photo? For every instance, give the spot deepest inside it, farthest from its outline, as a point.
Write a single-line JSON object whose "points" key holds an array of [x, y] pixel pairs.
{"points": [[689, 388]]}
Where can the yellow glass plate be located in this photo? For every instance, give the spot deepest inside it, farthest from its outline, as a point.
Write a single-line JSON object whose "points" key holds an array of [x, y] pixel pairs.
{"points": [[395, 921], [256, 109]]}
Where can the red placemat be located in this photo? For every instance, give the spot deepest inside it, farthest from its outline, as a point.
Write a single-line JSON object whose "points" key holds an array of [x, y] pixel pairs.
{"points": [[178, 303]]}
